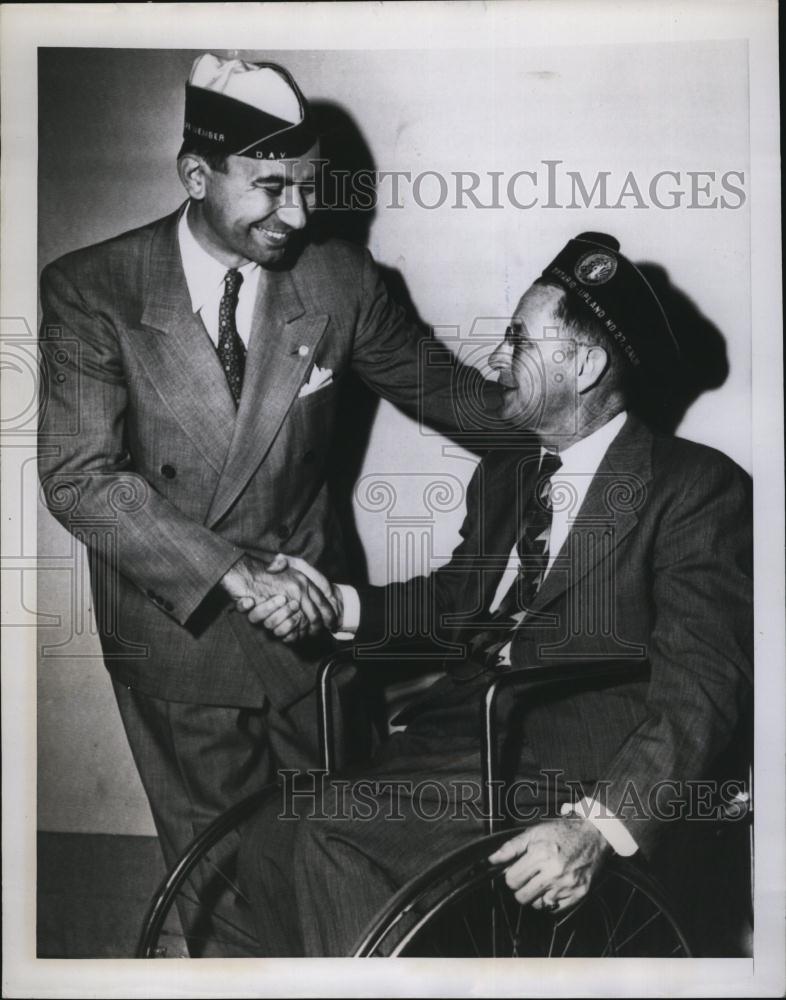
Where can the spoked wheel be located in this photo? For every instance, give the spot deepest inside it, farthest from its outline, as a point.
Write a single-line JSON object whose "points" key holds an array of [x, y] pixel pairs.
{"points": [[461, 907], [199, 910]]}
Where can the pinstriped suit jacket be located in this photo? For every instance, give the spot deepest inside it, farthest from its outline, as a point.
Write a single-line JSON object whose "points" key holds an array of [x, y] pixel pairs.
{"points": [[144, 457], [657, 566]]}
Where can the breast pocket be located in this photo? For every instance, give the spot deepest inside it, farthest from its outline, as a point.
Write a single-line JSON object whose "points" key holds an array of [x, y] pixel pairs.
{"points": [[324, 392], [311, 422]]}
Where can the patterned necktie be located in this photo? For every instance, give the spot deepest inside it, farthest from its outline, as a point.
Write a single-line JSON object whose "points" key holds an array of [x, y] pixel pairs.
{"points": [[533, 550], [533, 545], [231, 350]]}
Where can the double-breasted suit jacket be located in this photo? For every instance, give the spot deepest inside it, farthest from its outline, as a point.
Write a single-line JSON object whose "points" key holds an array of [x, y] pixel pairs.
{"points": [[656, 568], [144, 455]]}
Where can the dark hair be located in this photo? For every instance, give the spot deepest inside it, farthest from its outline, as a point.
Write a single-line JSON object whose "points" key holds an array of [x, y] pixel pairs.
{"points": [[214, 159], [585, 328]]}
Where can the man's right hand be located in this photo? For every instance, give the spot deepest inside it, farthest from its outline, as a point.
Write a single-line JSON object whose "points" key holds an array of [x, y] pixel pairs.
{"points": [[281, 587], [276, 613]]}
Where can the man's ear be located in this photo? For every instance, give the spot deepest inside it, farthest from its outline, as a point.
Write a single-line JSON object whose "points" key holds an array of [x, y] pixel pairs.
{"points": [[193, 173], [592, 363]]}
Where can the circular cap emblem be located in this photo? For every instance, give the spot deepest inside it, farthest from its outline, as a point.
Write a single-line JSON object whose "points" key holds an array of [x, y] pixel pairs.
{"points": [[595, 268]]}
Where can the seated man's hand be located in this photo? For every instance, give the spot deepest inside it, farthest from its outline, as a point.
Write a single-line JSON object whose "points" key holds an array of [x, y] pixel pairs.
{"points": [[553, 862], [288, 596], [280, 617]]}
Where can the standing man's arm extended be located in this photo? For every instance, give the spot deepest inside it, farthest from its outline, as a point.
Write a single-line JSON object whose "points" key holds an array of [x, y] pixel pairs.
{"points": [[389, 356]]}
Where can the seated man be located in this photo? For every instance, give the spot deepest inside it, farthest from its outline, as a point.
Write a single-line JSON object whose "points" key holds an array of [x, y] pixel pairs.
{"points": [[596, 540]]}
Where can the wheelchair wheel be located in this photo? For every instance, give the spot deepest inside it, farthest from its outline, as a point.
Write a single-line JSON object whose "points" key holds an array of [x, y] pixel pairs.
{"points": [[461, 908], [199, 910]]}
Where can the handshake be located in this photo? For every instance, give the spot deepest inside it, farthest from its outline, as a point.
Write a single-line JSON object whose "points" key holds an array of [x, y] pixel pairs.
{"points": [[288, 597]]}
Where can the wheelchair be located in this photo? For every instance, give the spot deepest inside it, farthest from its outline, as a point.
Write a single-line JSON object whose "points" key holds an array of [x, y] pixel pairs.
{"points": [[460, 906]]}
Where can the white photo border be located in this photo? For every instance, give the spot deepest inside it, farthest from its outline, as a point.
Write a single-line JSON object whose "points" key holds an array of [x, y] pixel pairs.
{"points": [[463, 25]]}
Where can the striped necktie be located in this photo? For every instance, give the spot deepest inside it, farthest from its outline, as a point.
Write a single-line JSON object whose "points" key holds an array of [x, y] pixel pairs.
{"points": [[533, 550], [533, 545]]}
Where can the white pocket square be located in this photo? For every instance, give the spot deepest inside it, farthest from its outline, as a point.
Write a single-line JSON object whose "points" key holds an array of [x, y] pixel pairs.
{"points": [[318, 378]]}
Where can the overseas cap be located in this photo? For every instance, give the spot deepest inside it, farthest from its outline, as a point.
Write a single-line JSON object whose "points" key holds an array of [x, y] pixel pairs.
{"points": [[614, 291], [247, 109]]}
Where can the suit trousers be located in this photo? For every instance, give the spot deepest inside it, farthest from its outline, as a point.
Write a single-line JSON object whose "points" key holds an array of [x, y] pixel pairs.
{"points": [[195, 761], [320, 862]]}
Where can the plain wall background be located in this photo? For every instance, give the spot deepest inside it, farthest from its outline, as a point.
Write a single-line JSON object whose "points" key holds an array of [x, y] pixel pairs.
{"points": [[109, 129]]}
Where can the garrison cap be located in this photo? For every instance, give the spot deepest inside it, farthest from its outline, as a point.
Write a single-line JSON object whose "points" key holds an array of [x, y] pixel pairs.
{"points": [[613, 290], [247, 109]]}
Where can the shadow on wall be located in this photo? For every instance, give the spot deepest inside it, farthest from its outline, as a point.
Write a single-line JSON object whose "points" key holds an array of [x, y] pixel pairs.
{"points": [[704, 366], [349, 156]]}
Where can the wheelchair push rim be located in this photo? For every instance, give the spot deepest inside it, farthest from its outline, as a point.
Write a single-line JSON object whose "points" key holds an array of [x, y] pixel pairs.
{"points": [[461, 907]]}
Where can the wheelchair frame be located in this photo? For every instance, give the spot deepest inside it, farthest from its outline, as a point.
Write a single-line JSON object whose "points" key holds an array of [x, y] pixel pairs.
{"points": [[535, 678]]}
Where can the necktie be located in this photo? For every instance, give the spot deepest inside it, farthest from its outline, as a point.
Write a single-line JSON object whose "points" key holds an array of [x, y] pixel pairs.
{"points": [[533, 549], [533, 545], [231, 351]]}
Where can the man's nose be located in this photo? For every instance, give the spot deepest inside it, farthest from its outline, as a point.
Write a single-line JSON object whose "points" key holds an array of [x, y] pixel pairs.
{"points": [[292, 210], [501, 357]]}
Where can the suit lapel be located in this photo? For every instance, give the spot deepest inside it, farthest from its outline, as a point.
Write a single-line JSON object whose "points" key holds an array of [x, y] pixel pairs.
{"points": [[179, 358], [608, 513], [283, 342], [509, 480]]}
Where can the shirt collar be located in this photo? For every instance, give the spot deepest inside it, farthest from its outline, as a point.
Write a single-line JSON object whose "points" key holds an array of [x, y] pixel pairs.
{"points": [[204, 274], [586, 455]]}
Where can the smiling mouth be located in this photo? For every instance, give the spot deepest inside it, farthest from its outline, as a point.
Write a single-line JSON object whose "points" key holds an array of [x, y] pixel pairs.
{"points": [[274, 236]]}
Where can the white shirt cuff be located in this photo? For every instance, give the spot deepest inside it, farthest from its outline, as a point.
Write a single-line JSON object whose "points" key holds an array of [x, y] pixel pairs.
{"points": [[351, 616], [612, 829]]}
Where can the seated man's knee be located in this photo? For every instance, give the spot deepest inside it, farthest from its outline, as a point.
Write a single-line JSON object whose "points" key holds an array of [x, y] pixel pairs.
{"points": [[265, 838], [316, 826], [269, 838]]}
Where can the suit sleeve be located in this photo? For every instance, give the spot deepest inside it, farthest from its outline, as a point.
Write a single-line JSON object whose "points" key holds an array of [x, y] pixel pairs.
{"points": [[700, 653], [86, 472], [404, 363], [424, 608]]}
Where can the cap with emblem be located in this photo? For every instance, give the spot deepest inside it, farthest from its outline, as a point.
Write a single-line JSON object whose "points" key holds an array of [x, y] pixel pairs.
{"points": [[614, 291], [247, 109]]}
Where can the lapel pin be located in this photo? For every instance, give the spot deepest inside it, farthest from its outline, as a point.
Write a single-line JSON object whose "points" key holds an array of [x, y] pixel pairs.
{"points": [[302, 350]]}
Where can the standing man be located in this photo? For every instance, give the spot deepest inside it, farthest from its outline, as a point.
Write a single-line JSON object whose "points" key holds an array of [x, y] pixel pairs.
{"points": [[198, 360], [601, 541]]}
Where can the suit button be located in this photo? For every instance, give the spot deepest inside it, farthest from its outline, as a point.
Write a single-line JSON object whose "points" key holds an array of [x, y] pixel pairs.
{"points": [[151, 594], [283, 531], [169, 606], [309, 457], [168, 471]]}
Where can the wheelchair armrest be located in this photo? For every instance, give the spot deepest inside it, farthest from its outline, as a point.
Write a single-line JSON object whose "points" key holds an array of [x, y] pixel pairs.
{"points": [[563, 676], [418, 655], [328, 668], [542, 677]]}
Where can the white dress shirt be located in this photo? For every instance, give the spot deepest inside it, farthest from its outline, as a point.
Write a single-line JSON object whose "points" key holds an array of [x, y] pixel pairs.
{"points": [[205, 280]]}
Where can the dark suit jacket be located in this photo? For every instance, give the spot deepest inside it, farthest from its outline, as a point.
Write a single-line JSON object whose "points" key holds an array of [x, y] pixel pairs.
{"points": [[143, 456], [657, 567]]}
